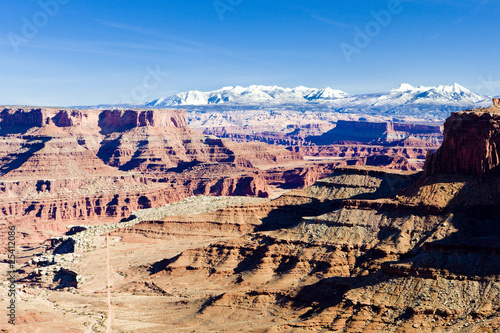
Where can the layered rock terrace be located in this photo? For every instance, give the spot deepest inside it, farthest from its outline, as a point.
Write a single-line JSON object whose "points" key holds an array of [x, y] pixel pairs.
{"points": [[86, 165]]}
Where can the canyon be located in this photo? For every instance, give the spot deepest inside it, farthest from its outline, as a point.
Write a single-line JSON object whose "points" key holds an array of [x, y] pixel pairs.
{"points": [[395, 145], [58, 166], [348, 247]]}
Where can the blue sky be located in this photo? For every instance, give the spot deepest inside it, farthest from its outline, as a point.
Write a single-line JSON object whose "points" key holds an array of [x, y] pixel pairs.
{"points": [[83, 52]]}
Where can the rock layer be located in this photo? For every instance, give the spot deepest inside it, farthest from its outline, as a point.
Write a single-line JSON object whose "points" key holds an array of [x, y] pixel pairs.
{"points": [[84, 165]]}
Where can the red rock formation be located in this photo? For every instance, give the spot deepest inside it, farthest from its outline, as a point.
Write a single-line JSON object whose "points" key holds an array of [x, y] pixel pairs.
{"points": [[471, 146], [386, 144], [120, 120], [148, 141], [399, 158], [85, 165], [293, 136], [115, 206]]}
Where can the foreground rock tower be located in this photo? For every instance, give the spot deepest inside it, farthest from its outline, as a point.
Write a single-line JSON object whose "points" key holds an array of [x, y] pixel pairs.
{"points": [[471, 144]]}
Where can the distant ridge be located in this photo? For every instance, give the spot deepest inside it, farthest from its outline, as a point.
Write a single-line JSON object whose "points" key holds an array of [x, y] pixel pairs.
{"points": [[254, 94], [257, 94], [405, 100]]}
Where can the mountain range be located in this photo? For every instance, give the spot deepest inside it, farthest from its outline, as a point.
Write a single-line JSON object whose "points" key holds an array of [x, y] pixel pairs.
{"points": [[421, 101], [255, 94]]}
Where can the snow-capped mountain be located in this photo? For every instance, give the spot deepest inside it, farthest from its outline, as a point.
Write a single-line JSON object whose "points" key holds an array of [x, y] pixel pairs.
{"points": [[254, 94], [406, 95], [406, 100], [454, 93]]}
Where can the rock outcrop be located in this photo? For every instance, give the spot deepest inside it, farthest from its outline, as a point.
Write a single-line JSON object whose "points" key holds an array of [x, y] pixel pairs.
{"points": [[471, 146]]}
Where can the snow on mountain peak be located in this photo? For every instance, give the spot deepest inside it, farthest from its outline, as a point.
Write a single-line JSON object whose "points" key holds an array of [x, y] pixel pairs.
{"points": [[326, 94], [446, 89], [404, 87], [454, 88]]}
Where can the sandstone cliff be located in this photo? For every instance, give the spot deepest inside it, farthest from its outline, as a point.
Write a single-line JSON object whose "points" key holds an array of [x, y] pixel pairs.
{"points": [[88, 165]]}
